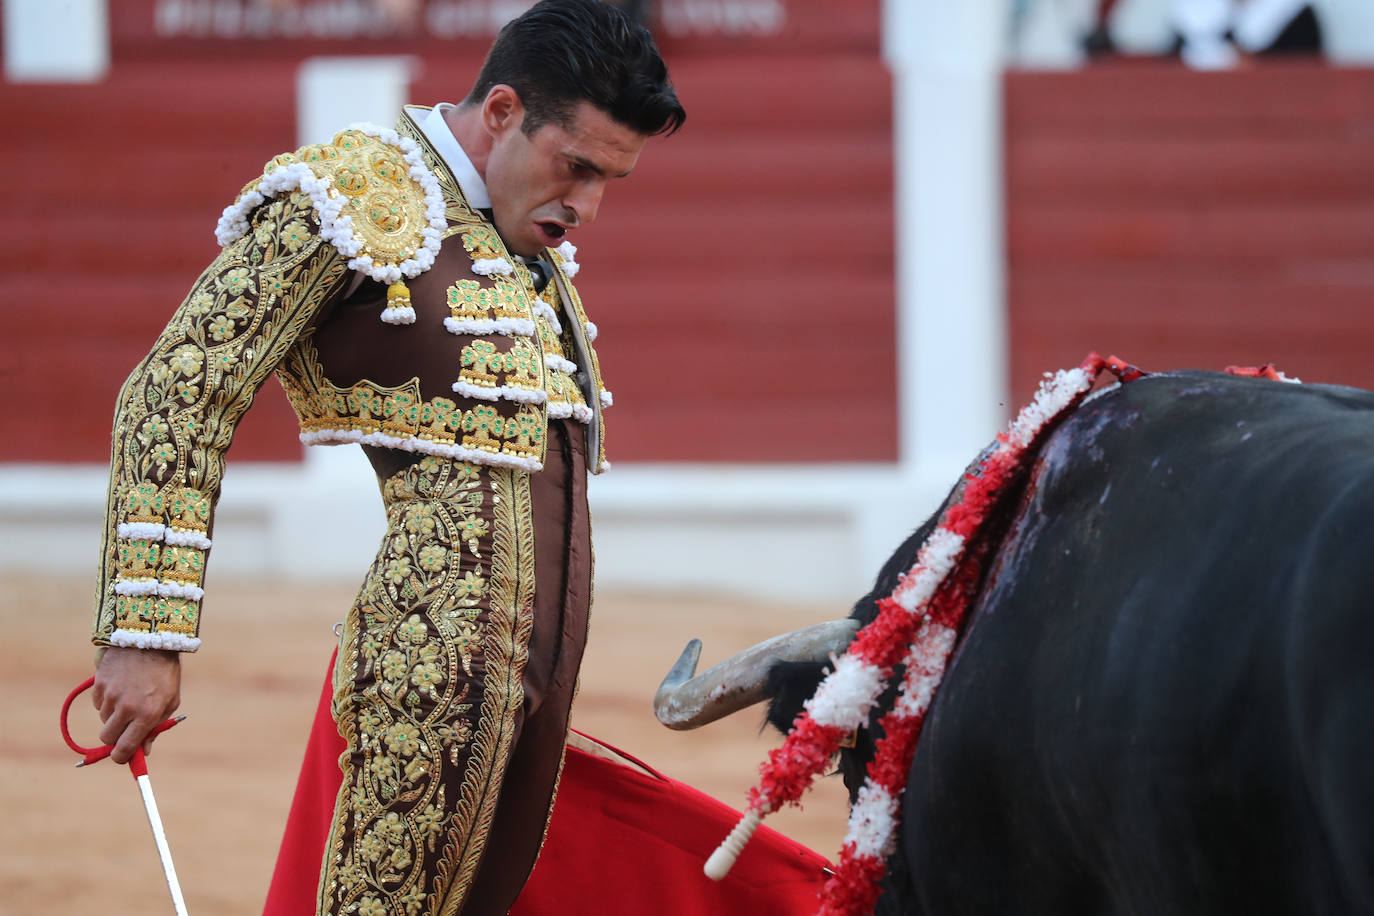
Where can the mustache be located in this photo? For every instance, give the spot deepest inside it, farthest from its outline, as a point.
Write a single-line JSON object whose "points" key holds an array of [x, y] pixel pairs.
{"points": [[557, 214]]}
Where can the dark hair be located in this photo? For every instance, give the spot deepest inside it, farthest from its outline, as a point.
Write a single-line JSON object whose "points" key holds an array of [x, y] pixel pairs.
{"points": [[562, 52]]}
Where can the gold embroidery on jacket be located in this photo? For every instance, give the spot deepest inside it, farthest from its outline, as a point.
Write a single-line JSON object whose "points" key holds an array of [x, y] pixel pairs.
{"points": [[468, 299], [428, 687], [177, 412], [486, 365], [400, 412], [456, 207], [385, 204], [596, 388], [507, 651], [565, 395]]}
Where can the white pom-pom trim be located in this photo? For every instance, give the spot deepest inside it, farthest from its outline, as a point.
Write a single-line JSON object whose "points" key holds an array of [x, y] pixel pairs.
{"points": [[559, 364], [507, 327], [337, 228], [179, 538], [422, 446], [141, 531], [567, 252], [403, 315], [180, 590], [485, 267], [135, 587], [161, 588], [151, 531], [592, 332], [174, 641], [545, 311], [579, 412], [607, 399], [501, 393]]}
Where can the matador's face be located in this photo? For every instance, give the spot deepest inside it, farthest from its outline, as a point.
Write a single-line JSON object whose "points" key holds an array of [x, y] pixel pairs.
{"points": [[546, 184]]}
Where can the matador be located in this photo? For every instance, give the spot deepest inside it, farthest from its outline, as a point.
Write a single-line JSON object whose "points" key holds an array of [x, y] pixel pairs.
{"points": [[412, 290]]}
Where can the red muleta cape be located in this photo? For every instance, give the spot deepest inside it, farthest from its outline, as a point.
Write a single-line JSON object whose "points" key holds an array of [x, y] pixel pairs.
{"points": [[622, 840]]}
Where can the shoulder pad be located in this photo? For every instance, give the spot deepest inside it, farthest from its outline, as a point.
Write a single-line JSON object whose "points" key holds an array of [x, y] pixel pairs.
{"points": [[376, 201]]}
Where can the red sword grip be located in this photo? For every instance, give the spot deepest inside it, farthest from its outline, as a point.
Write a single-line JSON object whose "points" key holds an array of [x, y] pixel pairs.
{"points": [[89, 755]]}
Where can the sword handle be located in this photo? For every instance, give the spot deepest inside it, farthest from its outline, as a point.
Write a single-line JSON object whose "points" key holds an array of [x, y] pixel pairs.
{"points": [[92, 755], [138, 763], [138, 768]]}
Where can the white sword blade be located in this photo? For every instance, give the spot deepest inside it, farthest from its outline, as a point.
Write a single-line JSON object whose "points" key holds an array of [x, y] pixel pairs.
{"points": [[160, 838]]}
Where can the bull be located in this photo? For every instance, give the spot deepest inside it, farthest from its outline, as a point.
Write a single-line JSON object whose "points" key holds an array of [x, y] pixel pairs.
{"points": [[1162, 698]]}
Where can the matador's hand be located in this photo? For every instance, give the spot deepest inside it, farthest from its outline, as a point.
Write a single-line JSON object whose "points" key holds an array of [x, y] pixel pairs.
{"points": [[135, 691]]}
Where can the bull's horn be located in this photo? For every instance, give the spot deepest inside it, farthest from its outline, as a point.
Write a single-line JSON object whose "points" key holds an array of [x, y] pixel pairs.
{"points": [[683, 701]]}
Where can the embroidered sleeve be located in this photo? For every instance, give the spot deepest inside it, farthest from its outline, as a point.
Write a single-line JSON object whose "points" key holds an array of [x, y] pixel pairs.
{"points": [[177, 412]]}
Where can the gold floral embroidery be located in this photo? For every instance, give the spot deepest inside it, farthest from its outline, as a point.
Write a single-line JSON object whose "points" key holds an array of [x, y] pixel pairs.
{"points": [[386, 205], [456, 207], [482, 428], [427, 688], [512, 364], [470, 300], [144, 503], [596, 389], [366, 407], [466, 302], [524, 432], [177, 411], [189, 510], [564, 395], [182, 564], [481, 363], [138, 558], [483, 243], [507, 651], [153, 614]]}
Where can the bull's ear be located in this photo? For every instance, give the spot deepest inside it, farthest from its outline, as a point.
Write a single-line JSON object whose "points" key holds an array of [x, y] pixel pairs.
{"points": [[686, 701], [790, 684]]}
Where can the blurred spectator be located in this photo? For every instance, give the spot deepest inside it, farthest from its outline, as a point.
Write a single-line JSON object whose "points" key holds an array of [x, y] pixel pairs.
{"points": [[405, 13], [402, 14], [1277, 27], [1217, 34], [1214, 33]]}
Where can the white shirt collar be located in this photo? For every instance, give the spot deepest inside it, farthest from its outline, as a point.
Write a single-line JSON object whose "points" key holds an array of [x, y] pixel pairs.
{"points": [[436, 130]]}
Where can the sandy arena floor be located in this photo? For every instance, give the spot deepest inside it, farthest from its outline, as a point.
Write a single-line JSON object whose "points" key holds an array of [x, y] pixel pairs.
{"points": [[76, 841]]}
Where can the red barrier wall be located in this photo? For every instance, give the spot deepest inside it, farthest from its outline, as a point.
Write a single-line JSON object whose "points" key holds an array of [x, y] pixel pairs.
{"points": [[742, 277], [1188, 219]]}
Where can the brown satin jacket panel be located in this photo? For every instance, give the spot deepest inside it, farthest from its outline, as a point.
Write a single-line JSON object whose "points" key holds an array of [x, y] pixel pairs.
{"points": [[353, 344]]}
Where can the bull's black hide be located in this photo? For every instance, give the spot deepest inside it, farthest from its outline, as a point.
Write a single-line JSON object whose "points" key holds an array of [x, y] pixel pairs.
{"points": [[1164, 700]]}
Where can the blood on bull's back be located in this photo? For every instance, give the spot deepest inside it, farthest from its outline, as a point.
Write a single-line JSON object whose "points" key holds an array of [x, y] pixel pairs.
{"points": [[1162, 702]]}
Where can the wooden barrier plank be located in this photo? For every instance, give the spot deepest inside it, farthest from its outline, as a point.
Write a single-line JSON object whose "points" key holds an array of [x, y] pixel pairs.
{"points": [[1163, 98], [1113, 172], [1233, 234]]}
